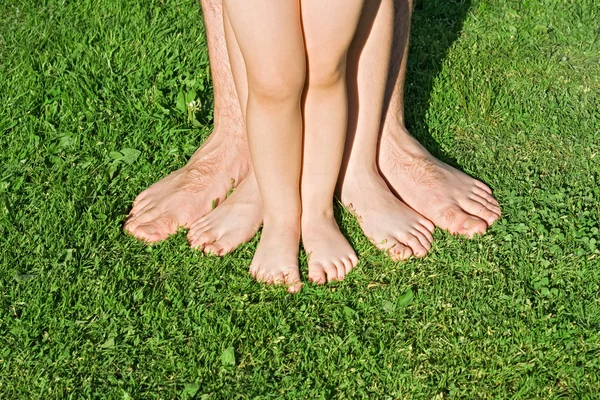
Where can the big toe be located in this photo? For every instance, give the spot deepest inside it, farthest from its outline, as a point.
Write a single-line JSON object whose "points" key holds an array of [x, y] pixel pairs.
{"points": [[292, 280], [222, 246], [203, 239], [458, 222], [471, 226], [156, 230], [316, 273]]}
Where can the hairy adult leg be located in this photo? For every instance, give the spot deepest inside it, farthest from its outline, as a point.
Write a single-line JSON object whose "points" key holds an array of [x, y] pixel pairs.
{"points": [[187, 194], [239, 217], [449, 198], [269, 35], [390, 224]]}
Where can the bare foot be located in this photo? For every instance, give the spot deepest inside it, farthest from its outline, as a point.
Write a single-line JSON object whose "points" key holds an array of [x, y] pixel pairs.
{"points": [[390, 224], [276, 258], [187, 194], [330, 256], [234, 222], [451, 199]]}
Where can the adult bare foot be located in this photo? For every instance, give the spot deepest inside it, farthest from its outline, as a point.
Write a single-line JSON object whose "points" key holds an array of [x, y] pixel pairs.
{"points": [[330, 256], [276, 258], [187, 194], [234, 222], [451, 199], [390, 224]]}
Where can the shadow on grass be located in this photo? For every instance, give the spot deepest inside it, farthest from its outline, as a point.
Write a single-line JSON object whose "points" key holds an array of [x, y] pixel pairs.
{"points": [[436, 24]]}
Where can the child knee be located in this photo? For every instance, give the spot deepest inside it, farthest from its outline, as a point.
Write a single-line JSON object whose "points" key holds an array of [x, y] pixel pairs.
{"points": [[326, 71], [277, 85]]}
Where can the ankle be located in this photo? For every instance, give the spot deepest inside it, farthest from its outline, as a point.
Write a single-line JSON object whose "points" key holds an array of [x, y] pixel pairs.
{"points": [[311, 215], [281, 222]]}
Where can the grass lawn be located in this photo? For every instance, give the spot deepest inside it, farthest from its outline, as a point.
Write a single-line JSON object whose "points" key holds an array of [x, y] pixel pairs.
{"points": [[94, 98]]}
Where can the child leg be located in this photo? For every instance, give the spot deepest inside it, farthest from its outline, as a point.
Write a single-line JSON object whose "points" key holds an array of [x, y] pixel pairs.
{"points": [[270, 38], [329, 27]]}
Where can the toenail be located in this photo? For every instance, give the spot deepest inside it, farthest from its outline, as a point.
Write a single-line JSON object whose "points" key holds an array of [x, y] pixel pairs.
{"points": [[470, 223]]}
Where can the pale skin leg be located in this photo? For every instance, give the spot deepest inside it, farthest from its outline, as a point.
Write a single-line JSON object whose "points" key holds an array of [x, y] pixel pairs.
{"points": [[446, 196], [329, 27], [389, 223], [270, 38]]}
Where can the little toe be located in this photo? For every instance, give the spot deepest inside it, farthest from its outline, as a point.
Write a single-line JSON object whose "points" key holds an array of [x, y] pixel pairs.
{"points": [[483, 186], [426, 232], [316, 273], [253, 270], [348, 265], [354, 260], [427, 224]]}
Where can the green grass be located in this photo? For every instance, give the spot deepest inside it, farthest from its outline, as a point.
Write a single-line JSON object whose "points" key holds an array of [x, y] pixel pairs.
{"points": [[506, 90]]}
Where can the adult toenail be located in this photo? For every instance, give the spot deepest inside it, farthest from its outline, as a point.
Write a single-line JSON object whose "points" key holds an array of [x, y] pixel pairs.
{"points": [[470, 223]]}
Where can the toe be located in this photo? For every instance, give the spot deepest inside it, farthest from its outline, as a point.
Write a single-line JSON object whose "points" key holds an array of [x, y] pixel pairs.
{"points": [[204, 238], [483, 186], [341, 270], [221, 246], [472, 226], [426, 232], [253, 270], [425, 242], [493, 207], [198, 223], [330, 271], [214, 249], [133, 221], [348, 265], [427, 224], [156, 230], [291, 279], [141, 198], [354, 260], [480, 210], [487, 196], [415, 245], [399, 252], [316, 273], [135, 209]]}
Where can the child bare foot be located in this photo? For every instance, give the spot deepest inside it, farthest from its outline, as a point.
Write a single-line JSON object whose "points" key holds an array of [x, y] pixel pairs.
{"points": [[390, 224], [234, 222], [330, 256], [276, 258]]}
